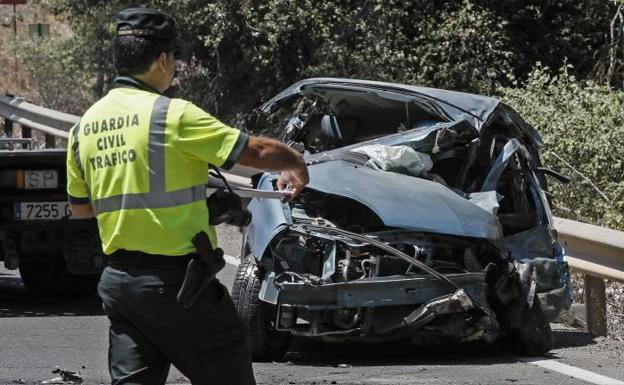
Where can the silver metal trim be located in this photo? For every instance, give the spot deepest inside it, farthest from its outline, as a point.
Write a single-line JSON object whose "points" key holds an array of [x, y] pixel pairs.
{"points": [[156, 146]]}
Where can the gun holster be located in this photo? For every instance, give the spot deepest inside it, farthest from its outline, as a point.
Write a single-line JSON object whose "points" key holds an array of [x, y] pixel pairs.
{"points": [[201, 270]]}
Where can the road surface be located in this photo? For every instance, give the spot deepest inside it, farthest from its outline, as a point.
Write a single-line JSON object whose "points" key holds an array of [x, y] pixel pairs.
{"points": [[37, 335]]}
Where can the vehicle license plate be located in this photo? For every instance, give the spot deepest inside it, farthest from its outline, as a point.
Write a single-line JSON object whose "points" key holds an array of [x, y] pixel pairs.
{"points": [[40, 179], [41, 210]]}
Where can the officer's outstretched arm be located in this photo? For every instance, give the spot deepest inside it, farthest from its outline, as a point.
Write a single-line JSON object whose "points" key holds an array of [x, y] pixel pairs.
{"points": [[270, 154], [81, 211]]}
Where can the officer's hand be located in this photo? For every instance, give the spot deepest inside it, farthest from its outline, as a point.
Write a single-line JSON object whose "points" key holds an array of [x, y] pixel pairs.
{"points": [[293, 181]]}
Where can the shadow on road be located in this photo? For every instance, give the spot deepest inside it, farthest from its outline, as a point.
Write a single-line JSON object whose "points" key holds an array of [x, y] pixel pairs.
{"points": [[316, 353], [16, 302], [571, 338]]}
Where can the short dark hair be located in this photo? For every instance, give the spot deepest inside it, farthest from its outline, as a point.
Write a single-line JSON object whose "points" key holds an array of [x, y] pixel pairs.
{"points": [[134, 55]]}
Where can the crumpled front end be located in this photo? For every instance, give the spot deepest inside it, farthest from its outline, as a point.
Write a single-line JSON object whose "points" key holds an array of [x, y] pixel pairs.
{"points": [[333, 283], [336, 269]]}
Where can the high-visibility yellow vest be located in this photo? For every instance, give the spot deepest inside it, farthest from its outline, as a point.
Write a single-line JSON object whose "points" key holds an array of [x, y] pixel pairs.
{"points": [[141, 160]]}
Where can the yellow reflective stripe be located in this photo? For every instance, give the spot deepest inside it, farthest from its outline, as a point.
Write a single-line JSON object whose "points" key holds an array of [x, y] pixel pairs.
{"points": [[150, 200]]}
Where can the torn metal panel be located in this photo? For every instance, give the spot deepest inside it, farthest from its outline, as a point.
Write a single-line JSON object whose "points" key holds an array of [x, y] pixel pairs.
{"points": [[514, 147], [268, 292], [456, 303], [539, 197], [533, 243], [511, 148], [545, 272], [260, 233], [487, 200], [501, 162], [543, 268], [554, 300]]}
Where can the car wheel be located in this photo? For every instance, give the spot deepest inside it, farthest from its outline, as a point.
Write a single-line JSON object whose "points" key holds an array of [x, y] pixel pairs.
{"points": [[44, 276], [267, 344], [84, 285], [534, 337], [49, 276]]}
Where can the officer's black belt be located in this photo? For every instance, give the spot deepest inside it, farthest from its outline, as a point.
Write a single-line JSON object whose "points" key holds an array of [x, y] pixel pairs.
{"points": [[124, 259]]}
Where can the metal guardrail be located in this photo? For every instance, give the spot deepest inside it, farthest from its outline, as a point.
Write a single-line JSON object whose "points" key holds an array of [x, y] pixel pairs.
{"points": [[598, 253], [30, 115], [595, 251]]}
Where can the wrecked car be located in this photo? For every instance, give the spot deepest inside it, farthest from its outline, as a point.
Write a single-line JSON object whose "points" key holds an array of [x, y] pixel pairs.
{"points": [[426, 219]]}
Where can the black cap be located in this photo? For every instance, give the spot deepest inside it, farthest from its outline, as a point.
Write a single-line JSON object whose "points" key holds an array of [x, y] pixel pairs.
{"points": [[147, 23]]}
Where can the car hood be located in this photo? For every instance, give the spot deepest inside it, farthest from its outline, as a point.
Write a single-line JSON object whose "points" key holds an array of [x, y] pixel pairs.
{"points": [[406, 202], [479, 111]]}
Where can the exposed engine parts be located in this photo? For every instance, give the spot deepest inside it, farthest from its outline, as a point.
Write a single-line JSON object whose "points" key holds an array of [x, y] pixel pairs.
{"points": [[315, 253]]}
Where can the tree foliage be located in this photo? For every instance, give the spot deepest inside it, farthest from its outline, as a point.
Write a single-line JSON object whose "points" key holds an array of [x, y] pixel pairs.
{"points": [[582, 124], [62, 81], [245, 51]]}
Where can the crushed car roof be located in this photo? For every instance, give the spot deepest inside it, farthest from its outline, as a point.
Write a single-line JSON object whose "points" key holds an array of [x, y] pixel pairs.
{"points": [[478, 110]]}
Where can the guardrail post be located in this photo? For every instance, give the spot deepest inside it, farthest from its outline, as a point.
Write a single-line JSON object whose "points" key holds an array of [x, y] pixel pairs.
{"points": [[8, 124], [50, 141], [595, 305], [26, 133], [8, 127]]}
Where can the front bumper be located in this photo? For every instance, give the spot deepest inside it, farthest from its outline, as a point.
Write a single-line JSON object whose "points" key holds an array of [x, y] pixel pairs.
{"points": [[379, 291]]}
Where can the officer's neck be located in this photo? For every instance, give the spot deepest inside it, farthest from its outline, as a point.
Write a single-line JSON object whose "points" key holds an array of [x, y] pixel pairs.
{"points": [[153, 80]]}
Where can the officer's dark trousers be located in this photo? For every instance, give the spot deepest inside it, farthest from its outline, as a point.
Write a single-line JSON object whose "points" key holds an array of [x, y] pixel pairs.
{"points": [[149, 330]]}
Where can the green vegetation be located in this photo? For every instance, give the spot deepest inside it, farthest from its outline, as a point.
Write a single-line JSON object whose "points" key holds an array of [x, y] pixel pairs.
{"points": [[245, 51], [59, 76], [582, 126]]}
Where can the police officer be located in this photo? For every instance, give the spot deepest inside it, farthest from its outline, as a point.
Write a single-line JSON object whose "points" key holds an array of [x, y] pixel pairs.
{"points": [[138, 162]]}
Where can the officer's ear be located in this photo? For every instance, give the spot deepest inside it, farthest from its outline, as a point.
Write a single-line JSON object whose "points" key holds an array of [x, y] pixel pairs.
{"points": [[161, 61]]}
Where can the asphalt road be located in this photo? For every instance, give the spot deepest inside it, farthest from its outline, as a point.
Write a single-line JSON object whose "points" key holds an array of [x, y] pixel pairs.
{"points": [[37, 335]]}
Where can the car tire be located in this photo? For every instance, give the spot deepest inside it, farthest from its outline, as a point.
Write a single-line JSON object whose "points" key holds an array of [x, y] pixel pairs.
{"points": [[84, 285], [534, 337], [49, 276], [44, 276], [267, 344]]}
